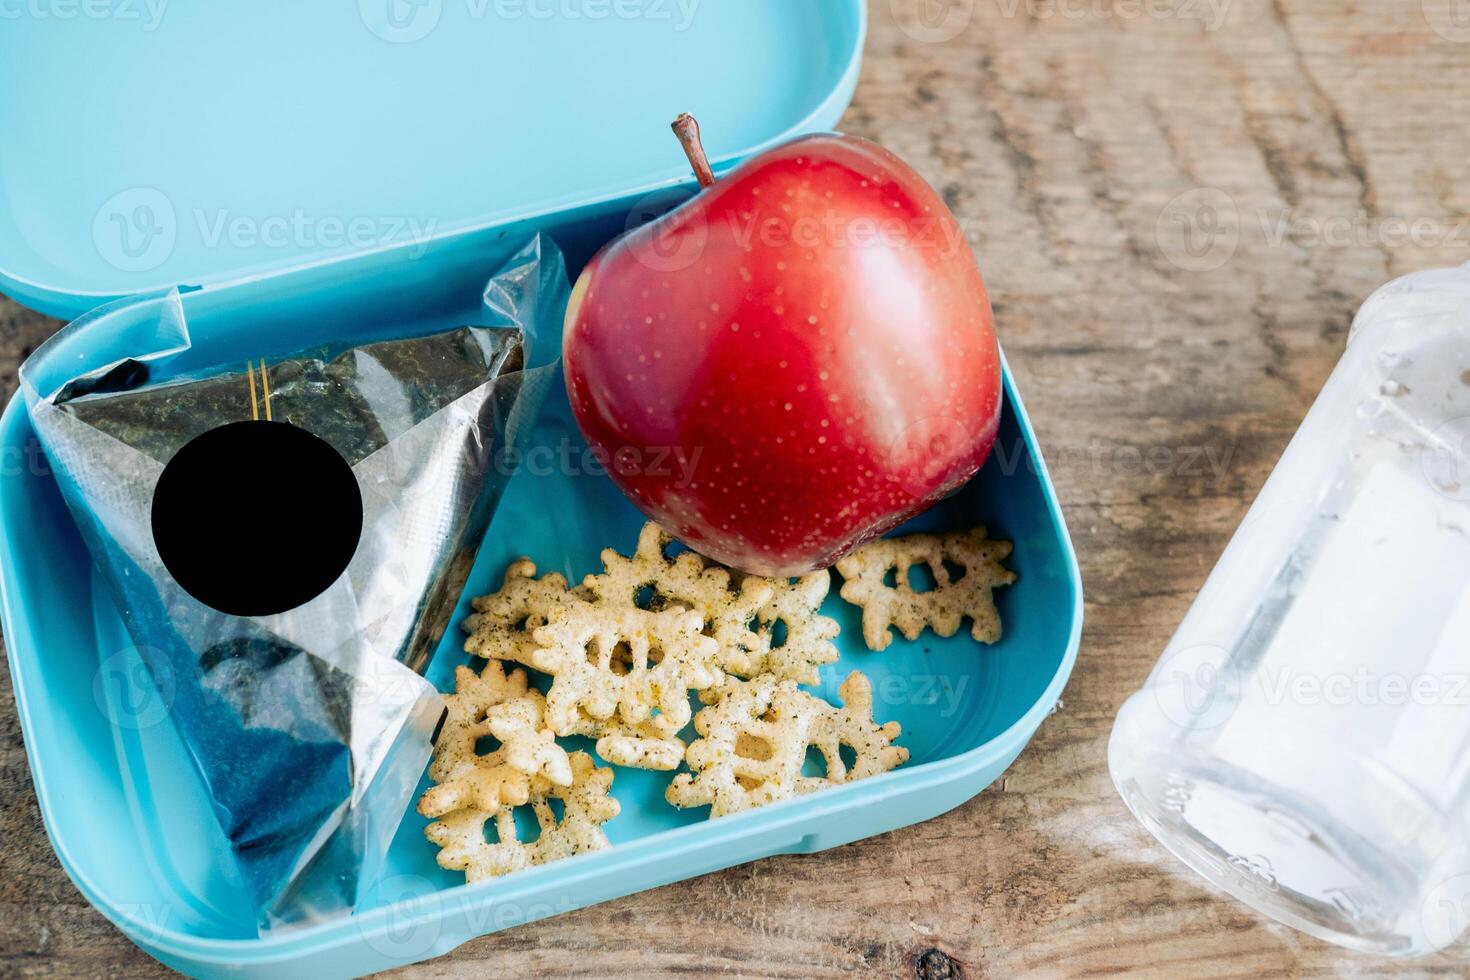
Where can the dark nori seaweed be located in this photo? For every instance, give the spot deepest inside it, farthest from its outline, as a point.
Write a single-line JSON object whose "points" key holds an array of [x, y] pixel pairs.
{"points": [[357, 399]]}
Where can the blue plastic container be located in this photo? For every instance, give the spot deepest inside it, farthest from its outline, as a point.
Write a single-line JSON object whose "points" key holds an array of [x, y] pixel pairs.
{"points": [[487, 124]]}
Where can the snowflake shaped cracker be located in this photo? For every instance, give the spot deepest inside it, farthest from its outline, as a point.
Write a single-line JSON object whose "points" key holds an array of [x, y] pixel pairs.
{"points": [[687, 581], [641, 746], [853, 725], [504, 623], [491, 703], [751, 750], [941, 608], [528, 742], [586, 805], [638, 664], [807, 643], [755, 739]]}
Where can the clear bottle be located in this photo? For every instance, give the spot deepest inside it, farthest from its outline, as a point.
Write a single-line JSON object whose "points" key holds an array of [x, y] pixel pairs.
{"points": [[1304, 741]]}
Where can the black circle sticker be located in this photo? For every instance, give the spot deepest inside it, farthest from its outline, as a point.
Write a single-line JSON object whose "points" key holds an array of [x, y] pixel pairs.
{"points": [[256, 517]]}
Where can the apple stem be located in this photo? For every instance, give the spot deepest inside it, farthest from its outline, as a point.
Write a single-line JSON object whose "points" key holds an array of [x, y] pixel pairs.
{"points": [[687, 129]]}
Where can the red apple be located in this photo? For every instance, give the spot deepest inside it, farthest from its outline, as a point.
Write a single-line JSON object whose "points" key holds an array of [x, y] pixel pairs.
{"points": [[794, 361]]}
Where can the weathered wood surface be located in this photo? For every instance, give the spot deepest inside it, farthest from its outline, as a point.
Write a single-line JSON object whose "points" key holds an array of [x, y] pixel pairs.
{"points": [[1330, 137]]}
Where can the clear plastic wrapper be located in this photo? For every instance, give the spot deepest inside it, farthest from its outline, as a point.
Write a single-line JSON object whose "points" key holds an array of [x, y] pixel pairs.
{"points": [[310, 727]]}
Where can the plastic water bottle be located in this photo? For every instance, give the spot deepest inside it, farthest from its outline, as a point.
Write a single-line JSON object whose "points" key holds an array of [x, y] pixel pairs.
{"points": [[1304, 741]]}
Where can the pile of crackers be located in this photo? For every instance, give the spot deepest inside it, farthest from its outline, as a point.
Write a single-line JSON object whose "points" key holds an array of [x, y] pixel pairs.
{"points": [[624, 650]]}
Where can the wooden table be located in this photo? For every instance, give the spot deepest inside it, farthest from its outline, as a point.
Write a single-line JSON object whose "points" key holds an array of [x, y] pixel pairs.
{"points": [[1164, 375]]}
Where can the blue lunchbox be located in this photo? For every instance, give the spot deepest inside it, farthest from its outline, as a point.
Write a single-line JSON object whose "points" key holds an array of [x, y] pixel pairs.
{"points": [[305, 171]]}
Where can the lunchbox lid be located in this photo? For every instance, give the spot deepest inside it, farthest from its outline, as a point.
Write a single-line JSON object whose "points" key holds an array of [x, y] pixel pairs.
{"points": [[156, 143]]}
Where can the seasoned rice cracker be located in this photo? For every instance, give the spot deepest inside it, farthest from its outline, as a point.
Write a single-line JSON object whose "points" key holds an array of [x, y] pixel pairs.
{"points": [[941, 608]]}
